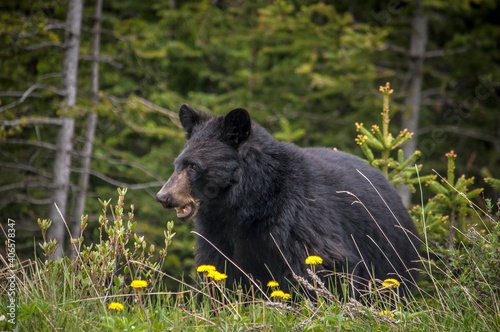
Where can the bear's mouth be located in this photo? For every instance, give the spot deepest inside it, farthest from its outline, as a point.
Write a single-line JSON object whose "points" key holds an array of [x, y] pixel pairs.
{"points": [[187, 211]]}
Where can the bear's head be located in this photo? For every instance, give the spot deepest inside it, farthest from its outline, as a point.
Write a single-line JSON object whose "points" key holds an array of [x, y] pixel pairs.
{"points": [[208, 164]]}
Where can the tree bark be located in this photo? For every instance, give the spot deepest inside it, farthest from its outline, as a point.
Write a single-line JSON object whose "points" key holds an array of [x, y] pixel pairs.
{"points": [[415, 78], [62, 163], [81, 193]]}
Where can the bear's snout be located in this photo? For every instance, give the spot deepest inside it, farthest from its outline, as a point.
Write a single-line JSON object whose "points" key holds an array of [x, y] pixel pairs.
{"points": [[176, 194], [174, 190], [165, 199]]}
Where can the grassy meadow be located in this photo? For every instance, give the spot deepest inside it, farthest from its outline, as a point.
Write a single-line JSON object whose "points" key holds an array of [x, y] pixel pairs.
{"points": [[118, 284]]}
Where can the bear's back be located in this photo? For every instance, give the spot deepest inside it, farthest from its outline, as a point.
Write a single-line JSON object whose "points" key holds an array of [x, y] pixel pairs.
{"points": [[372, 215], [346, 172]]}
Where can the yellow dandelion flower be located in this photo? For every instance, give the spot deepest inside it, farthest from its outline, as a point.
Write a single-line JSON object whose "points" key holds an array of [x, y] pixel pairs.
{"points": [[387, 313], [390, 283], [278, 293], [205, 268], [139, 284], [314, 260], [286, 296], [272, 284], [115, 306], [216, 275]]}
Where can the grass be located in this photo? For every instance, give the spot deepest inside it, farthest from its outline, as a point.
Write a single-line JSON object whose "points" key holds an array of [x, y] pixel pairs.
{"points": [[456, 293], [48, 301]]}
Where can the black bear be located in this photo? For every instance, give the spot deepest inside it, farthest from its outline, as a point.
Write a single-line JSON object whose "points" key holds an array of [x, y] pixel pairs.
{"points": [[267, 205]]}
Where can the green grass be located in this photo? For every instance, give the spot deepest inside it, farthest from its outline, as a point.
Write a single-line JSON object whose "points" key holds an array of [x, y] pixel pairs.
{"points": [[47, 300], [459, 292]]}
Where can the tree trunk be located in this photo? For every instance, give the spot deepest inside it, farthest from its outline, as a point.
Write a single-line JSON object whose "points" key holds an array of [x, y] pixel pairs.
{"points": [[62, 163], [415, 77], [81, 193]]}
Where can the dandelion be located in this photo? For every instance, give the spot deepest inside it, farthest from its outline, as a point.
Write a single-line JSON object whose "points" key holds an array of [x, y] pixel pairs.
{"points": [[137, 284], [390, 283], [216, 275], [393, 296], [278, 293], [205, 268], [387, 313], [273, 284], [117, 306], [314, 260]]}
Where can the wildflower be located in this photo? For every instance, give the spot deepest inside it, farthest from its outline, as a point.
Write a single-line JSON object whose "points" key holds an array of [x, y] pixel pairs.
{"points": [[387, 313], [314, 260], [139, 284], [278, 293], [205, 268], [115, 306], [216, 275], [272, 284], [390, 283]]}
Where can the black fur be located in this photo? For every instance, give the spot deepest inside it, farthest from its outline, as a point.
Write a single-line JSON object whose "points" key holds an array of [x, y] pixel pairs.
{"points": [[252, 189]]}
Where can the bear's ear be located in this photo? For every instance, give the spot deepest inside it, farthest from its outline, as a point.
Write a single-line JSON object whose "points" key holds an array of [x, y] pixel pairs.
{"points": [[190, 118], [236, 127]]}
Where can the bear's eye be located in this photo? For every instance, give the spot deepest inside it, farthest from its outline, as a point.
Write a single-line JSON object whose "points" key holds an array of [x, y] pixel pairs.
{"points": [[192, 167]]}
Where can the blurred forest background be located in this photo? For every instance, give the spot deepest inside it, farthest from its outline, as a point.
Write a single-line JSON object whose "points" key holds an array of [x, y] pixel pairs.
{"points": [[89, 93]]}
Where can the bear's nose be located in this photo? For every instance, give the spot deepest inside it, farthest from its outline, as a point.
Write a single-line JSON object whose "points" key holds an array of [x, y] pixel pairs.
{"points": [[164, 199]]}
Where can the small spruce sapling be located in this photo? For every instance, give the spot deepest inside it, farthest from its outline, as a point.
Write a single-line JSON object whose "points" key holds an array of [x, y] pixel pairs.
{"points": [[452, 199], [399, 171]]}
